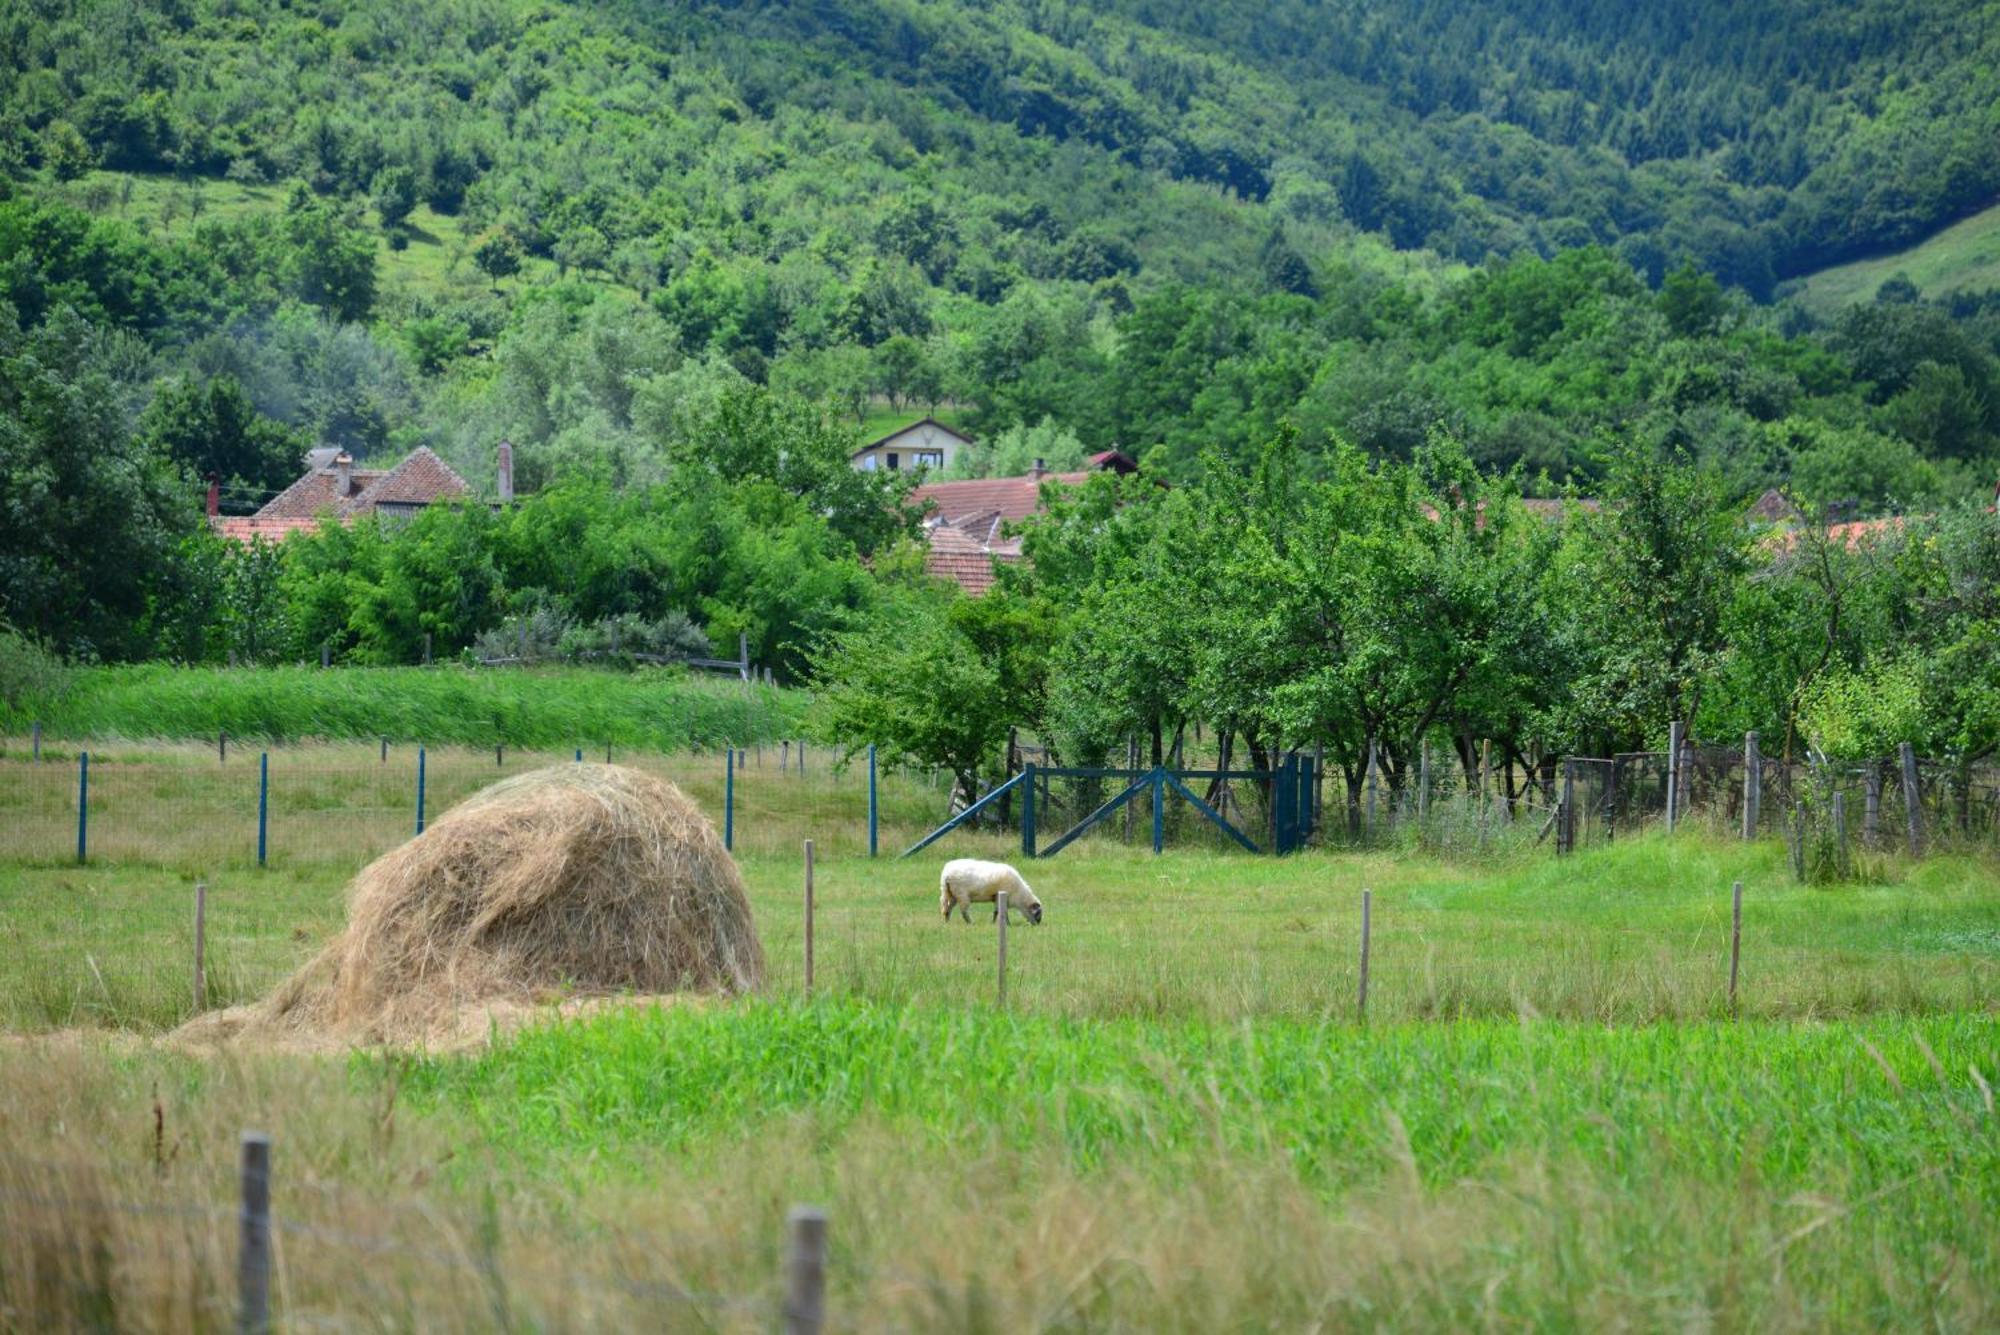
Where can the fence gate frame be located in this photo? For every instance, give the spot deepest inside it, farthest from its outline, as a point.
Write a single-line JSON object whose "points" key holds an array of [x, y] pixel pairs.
{"points": [[1292, 786]]}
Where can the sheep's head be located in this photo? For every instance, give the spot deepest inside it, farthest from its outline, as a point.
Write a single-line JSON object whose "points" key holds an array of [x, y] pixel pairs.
{"points": [[1034, 912]]}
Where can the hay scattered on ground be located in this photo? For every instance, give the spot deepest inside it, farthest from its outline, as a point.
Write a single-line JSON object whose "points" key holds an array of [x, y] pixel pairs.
{"points": [[573, 882]]}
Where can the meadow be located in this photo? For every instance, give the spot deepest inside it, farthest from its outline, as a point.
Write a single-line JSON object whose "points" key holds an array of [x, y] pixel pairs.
{"points": [[552, 708], [1549, 1117]]}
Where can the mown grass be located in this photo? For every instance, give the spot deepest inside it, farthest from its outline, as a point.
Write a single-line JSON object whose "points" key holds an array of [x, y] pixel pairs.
{"points": [[1964, 257], [550, 708]]}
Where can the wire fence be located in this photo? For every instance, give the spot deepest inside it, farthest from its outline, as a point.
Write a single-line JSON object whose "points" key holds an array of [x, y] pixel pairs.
{"points": [[344, 804], [335, 1253]]}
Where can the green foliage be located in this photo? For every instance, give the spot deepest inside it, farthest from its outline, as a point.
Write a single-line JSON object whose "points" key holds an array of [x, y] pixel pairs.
{"points": [[914, 682], [214, 430], [89, 512]]}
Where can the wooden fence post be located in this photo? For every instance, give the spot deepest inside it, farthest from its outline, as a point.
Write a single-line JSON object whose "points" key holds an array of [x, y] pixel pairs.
{"points": [[1566, 820], [253, 1255], [1912, 800], [1000, 917], [1424, 786], [38, 741], [1753, 784], [1871, 806], [200, 944], [427, 648], [385, 749], [1361, 1004], [1840, 833], [729, 801], [1675, 731], [805, 1271], [1371, 785], [809, 917], [1735, 940], [222, 746]]}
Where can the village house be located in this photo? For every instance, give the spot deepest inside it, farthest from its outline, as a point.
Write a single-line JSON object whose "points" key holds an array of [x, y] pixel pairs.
{"points": [[926, 444], [964, 520], [333, 487]]}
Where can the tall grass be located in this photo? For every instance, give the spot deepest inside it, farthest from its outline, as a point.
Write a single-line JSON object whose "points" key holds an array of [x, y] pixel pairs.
{"points": [[991, 1172], [540, 707]]}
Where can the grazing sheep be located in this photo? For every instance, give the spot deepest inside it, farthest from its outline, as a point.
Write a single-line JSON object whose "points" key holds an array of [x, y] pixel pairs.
{"points": [[968, 881]]}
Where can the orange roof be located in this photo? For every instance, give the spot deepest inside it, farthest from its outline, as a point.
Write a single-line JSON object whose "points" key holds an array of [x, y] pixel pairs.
{"points": [[966, 560], [1011, 498], [419, 479], [248, 528]]}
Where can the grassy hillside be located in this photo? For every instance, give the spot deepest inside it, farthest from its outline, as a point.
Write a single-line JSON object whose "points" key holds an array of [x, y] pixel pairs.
{"points": [[539, 707], [1964, 257]]}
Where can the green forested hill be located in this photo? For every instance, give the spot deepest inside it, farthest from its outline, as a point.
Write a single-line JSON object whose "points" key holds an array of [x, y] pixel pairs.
{"points": [[1166, 225]]}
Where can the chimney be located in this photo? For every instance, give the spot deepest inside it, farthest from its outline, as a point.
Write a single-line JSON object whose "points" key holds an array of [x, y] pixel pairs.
{"points": [[506, 473], [1040, 469], [343, 474], [214, 495]]}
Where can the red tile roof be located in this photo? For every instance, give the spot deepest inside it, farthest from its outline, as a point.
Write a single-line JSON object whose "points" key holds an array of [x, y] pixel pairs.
{"points": [[966, 560], [248, 528], [418, 480], [1011, 498]]}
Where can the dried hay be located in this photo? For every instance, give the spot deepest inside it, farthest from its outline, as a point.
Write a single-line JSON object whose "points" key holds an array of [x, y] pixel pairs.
{"points": [[573, 881]]}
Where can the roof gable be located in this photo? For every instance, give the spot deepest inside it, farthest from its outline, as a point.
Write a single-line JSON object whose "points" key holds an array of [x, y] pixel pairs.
{"points": [[907, 428]]}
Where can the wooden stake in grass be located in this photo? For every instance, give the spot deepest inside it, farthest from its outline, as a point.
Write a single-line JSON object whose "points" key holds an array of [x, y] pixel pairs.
{"points": [[1753, 783], [1000, 916], [200, 944], [253, 1263], [805, 1271], [809, 917], [1367, 900], [1913, 808], [1735, 940]]}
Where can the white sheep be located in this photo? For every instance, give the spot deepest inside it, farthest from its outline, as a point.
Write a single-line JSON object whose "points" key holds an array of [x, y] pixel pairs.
{"points": [[968, 881]]}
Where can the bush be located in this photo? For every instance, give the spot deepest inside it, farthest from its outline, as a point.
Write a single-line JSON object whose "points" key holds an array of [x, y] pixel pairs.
{"points": [[29, 670], [626, 639]]}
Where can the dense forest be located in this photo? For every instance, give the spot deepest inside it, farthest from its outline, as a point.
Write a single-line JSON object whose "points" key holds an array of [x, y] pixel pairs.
{"points": [[681, 255]]}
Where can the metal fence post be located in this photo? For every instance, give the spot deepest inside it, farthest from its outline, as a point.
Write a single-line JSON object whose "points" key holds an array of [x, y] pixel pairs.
{"points": [[263, 805], [1028, 812], [729, 801], [1159, 810], [82, 805], [253, 1264], [1675, 731], [420, 790], [873, 811]]}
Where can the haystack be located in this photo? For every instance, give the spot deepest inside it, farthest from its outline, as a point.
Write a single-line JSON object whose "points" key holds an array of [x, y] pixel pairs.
{"points": [[573, 881]]}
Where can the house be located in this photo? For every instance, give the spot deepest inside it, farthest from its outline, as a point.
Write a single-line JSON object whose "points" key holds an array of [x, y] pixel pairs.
{"points": [[332, 485], [925, 444], [964, 521]]}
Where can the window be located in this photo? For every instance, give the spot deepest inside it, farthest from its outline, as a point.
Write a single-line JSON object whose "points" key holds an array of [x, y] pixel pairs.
{"points": [[928, 458], [892, 461], [869, 463]]}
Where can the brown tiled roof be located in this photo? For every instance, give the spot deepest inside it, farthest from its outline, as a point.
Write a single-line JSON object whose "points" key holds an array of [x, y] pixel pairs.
{"points": [[1011, 498], [421, 478], [966, 560], [317, 491], [248, 528]]}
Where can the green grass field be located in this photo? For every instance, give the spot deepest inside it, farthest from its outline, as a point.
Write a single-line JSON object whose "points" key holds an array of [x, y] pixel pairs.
{"points": [[550, 708], [1964, 257], [1549, 1119]]}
